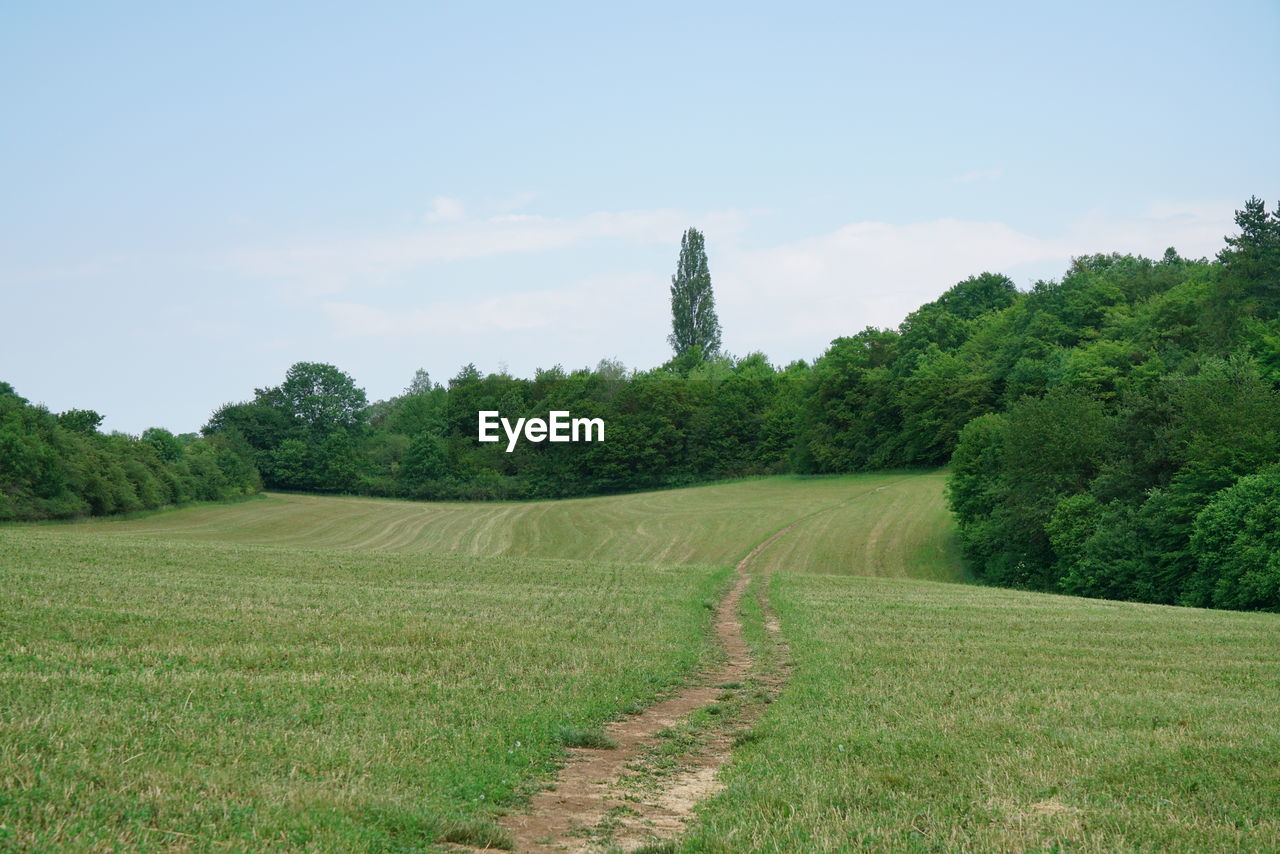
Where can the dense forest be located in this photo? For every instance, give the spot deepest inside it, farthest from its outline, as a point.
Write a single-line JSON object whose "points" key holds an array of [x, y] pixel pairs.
{"points": [[1114, 434], [1135, 453]]}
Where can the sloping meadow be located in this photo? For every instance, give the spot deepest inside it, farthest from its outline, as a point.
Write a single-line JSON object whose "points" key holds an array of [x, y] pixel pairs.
{"points": [[924, 717], [871, 524], [165, 694], [302, 672], [356, 674]]}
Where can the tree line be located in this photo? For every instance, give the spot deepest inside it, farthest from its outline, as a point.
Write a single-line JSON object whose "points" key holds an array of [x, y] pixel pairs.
{"points": [[1114, 433], [1135, 453], [61, 466]]}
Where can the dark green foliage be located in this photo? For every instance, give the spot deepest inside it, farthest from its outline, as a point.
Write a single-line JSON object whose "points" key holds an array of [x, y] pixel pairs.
{"points": [[892, 399], [58, 466], [978, 295], [166, 445], [262, 425], [1011, 474], [719, 418], [1236, 545], [850, 421], [319, 396], [84, 421], [695, 328], [426, 459], [306, 433], [1250, 280], [1130, 470]]}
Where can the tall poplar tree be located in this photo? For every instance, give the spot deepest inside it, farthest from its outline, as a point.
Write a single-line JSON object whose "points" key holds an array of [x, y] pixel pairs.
{"points": [[693, 307]]}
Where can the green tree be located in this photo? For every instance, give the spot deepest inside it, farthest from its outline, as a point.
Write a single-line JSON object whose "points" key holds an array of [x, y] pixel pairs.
{"points": [[426, 460], [1250, 284], [1236, 543], [850, 421], [166, 445], [695, 328], [421, 383], [84, 421], [319, 396], [1011, 473]]}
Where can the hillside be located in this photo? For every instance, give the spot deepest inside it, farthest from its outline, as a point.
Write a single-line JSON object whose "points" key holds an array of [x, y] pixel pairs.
{"points": [[368, 675], [923, 717], [881, 524]]}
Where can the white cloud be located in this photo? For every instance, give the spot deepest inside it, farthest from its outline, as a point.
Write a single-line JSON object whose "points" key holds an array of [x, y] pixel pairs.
{"points": [[864, 274], [790, 300], [444, 209], [1195, 229], [327, 268], [589, 304]]}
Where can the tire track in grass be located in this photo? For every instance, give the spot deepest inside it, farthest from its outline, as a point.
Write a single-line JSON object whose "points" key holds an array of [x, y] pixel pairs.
{"points": [[567, 817], [601, 799]]}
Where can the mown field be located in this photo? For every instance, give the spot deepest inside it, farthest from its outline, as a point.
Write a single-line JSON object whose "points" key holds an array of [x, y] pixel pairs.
{"points": [[877, 524], [169, 695], [309, 673], [924, 717], [346, 674]]}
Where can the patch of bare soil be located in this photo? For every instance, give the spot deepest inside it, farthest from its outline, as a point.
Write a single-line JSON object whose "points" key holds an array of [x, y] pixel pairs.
{"points": [[625, 797]]}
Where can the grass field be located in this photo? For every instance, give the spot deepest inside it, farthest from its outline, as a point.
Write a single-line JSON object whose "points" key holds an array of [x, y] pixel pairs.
{"points": [[309, 673], [899, 527], [879, 524], [161, 694], [923, 717]]}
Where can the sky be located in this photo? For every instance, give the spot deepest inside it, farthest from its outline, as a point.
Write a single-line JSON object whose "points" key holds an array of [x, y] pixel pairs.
{"points": [[193, 197]]}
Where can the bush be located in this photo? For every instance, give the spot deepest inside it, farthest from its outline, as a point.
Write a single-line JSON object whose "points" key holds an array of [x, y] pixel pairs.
{"points": [[1236, 546]]}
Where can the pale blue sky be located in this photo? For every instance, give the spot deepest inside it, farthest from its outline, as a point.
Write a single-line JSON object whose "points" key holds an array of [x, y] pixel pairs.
{"points": [[195, 196]]}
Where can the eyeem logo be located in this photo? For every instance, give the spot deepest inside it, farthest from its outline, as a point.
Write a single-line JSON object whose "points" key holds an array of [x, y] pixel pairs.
{"points": [[557, 427]]}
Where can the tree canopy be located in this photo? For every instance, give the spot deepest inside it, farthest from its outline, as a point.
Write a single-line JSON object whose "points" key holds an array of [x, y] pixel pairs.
{"points": [[57, 466]]}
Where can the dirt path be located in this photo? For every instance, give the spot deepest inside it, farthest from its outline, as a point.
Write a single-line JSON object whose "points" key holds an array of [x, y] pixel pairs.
{"points": [[638, 792], [666, 759]]}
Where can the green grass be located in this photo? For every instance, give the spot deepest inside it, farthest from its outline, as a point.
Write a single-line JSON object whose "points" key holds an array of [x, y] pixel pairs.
{"points": [[902, 528], [353, 674], [592, 739], [924, 717], [159, 694], [343, 674], [890, 526]]}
